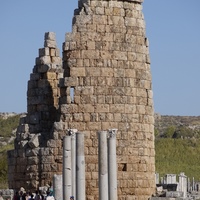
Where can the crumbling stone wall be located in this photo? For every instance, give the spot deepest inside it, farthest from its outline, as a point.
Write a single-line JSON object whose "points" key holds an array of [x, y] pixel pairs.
{"points": [[106, 62], [106, 84], [31, 163]]}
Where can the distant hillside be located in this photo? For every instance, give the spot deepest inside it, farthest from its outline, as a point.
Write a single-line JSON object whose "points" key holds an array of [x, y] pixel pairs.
{"points": [[177, 126], [177, 144]]}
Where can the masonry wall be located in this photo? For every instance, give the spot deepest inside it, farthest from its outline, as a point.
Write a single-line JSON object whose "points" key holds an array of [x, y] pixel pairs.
{"points": [[104, 83], [32, 163], [106, 62]]}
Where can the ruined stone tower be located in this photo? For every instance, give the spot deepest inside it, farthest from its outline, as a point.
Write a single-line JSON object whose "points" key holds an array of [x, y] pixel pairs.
{"points": [[32, 162], [106, 84]]}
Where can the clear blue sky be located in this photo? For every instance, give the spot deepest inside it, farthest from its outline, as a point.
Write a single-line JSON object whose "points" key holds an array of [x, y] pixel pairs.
{"points": [[172, 26]]}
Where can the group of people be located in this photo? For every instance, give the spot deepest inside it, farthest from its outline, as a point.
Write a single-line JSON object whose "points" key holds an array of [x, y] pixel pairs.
{"points": [[38, 195]]}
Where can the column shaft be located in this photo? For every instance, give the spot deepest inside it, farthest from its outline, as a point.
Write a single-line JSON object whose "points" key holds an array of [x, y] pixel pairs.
{"points": [[73, 132], [80, 167], [57, 186], [112, 165], [67, 173], [103, 165]]}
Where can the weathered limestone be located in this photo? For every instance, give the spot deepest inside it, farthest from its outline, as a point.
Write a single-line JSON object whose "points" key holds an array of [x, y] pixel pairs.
{"points": [[32, 163], [106, 62], [105, 82]]}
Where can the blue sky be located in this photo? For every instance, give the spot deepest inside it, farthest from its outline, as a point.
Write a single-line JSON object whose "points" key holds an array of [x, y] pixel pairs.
{"points": [[172, 26]]}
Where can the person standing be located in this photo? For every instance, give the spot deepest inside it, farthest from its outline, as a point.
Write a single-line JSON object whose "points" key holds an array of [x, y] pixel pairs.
{"points": [[1, 198]]}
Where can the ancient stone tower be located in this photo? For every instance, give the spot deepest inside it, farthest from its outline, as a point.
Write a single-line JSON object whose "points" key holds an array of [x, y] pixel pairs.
{"points": [[104, 83]]}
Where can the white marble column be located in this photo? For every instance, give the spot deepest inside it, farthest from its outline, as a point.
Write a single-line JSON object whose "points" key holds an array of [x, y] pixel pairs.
{"points": [[72, 133], [57, 186], [112, 164], [103, 165], [67, 172], [183, 184], [80, 167]]}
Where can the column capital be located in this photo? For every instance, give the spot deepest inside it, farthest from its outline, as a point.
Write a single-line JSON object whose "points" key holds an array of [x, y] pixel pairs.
{"points": [[71, 132], [112, 132]]}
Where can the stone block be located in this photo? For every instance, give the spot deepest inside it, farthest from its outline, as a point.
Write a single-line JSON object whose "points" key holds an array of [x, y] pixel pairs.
{"points": [[100, 10], [91, 159], [93, 126], [130, 21], [102, 108], [45, 60], [43, 83], [68, 37], [109, 125], [78, 125], [52, 143], [129, 38], [43, 68], [32, 84], [118, 12], [140, 92], [66, 108], [50, 36], [50, 43], [117, 108], [82, 19], [47, 159], [33, 160], [24, 136], [78, 71], [34, 77], [32, 152], [108, 99], [90, 54], [44, 52], [50, 75], [56, 60], [101, 99], [78, 117], [52, 52], [35, 141], [99, 19], [116, 4], [88, 108], [93, 71], [117, 117], [24, 128], [87, 90], [141, 109], [116, 20], [119, 55]]}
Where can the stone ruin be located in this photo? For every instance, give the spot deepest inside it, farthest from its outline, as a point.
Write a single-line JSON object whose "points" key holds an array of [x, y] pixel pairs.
{"points": [[103, 81]]}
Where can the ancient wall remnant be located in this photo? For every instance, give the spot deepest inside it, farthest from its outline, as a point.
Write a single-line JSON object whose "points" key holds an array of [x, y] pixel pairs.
{"points": [[31, 162], [106, 84], [106, 61]]}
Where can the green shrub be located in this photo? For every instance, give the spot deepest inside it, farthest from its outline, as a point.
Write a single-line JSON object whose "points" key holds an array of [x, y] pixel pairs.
{"points": [[169, 132], [7, 125], [6, 128]]}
